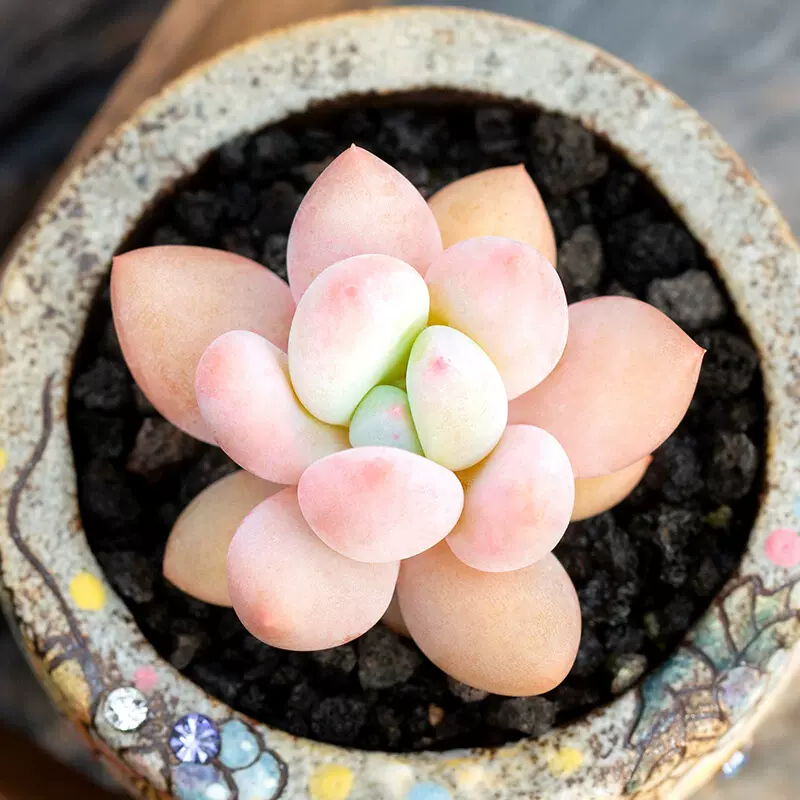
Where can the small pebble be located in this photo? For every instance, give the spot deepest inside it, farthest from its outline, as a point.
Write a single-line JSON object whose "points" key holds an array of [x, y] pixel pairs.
{"points": [[580, 262], [436, 715], [104, 386], [627, 669], [341, 660], [676, 470], [641, 250], [339, 720], [529, 715], [564, 155], [384, 660], [467, 694], [734, 464], [692, 300], [132, 574], [159, 445], [729, 365]]}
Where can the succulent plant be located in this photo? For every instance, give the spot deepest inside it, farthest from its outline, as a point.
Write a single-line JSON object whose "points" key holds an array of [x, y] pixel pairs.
{"points": [[416, 425]]}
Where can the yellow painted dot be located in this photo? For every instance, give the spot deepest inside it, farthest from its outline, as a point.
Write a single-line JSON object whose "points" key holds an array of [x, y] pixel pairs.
{"points": [[565, 761], [87, 591], [3, 459], [331, 782]]}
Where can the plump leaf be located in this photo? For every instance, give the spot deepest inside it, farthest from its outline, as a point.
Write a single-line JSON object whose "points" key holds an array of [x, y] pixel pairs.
{"points": [[171, 302], [359, 205], [511, 633], [405, 503], [292, 591], [518, 502], [508, 298], [353, 329], [247, 401], [622, 386], [503, 201]]}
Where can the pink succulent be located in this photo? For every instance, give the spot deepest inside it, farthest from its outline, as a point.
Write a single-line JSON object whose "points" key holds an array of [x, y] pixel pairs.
{"points": [[424, 421]]}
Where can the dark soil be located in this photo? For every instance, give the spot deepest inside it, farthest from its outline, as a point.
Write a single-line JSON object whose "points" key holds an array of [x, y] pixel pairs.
{"points": [[644, 571]]}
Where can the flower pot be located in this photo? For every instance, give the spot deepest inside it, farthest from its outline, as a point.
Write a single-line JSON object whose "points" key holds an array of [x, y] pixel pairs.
{"points": [[664, 738]]}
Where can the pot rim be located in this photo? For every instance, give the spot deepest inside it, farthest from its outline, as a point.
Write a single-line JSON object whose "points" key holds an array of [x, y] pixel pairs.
{"points": [[82, 636]]}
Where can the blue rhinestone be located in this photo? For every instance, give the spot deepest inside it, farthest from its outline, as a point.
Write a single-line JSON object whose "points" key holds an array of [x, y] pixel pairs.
{"points": [[198, 782], [734, 764], [195, 739]]}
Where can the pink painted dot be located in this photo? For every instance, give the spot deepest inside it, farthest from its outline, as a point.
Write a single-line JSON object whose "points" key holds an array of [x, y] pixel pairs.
{"points": [[783, 547], [145, 679]]}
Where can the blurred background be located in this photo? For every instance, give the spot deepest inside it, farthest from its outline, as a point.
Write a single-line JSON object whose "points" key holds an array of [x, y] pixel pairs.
{"points": [[736, 61]]}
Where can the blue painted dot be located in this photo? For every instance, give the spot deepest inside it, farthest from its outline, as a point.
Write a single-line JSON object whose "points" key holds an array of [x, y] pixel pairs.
{"points": [[239, 745], [199, 782], [261, 781], [797, 508], [429, 791]]}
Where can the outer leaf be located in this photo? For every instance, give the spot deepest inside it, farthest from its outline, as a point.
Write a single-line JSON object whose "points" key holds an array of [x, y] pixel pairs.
{"points": [[171, 302], [624, 383]]}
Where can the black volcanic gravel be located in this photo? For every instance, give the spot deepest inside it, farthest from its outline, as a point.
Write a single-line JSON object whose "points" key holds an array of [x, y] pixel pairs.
{"points": [[644, 571]]}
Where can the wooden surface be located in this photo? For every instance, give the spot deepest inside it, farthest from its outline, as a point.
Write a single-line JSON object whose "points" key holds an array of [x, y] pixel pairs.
{"points": [[736, 61]]}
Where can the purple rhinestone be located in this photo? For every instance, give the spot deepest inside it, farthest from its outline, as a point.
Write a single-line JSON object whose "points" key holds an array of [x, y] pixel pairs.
{"points": [[195, 739]]}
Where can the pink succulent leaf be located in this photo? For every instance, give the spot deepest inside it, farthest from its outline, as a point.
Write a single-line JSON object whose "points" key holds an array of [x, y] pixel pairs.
{"points": [[511, 633], [383, 418], [353, 329], [503, 201], [197, 548], [393, 618], [359, 205], [292, 591], [518, 502], [247, 402], [171, 302], [622, 386], [596, 495], [508, 298], [405, 503], [457, 398]]}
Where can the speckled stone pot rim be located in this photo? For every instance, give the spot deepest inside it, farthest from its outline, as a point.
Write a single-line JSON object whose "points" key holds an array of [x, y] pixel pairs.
{"points": [[81, 636]]}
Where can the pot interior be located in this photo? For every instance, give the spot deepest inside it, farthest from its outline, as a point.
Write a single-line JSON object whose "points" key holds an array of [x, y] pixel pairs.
{"points": [[644, 571]]}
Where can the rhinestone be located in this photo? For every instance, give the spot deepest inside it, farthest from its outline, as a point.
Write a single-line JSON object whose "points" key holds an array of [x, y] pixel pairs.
{"points": [[125, 709], [734, 763], [195, 739]]}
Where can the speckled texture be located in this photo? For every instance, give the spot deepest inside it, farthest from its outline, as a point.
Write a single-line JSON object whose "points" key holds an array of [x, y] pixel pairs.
{"points": [[656, 742]]}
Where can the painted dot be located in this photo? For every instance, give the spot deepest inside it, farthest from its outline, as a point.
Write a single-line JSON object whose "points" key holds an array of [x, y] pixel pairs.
{"points": [[145, 679], [88, 592], [783, 547], [331, 782], [797, 508], [239, 745], [4, 460], [565, 761], [429, 791], [261, 781]]}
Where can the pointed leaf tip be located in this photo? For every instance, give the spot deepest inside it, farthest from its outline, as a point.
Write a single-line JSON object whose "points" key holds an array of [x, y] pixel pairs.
{"points": [[503, 201], [359, 205], [169, 303], [623, 385]]}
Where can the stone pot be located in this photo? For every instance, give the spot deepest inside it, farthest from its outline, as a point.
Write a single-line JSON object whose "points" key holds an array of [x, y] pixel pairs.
{"points": [[662, 739]]}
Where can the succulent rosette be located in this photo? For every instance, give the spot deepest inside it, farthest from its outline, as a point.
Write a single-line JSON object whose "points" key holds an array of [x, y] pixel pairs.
{"points": [[416, 425]]}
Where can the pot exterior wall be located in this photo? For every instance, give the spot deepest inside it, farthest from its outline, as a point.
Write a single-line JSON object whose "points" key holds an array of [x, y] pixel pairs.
{"points": [[658, 740]]}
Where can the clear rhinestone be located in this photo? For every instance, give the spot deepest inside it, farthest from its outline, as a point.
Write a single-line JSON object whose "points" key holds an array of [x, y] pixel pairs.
{"points": [[125, 709], [195, 739], [734, 763]]}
